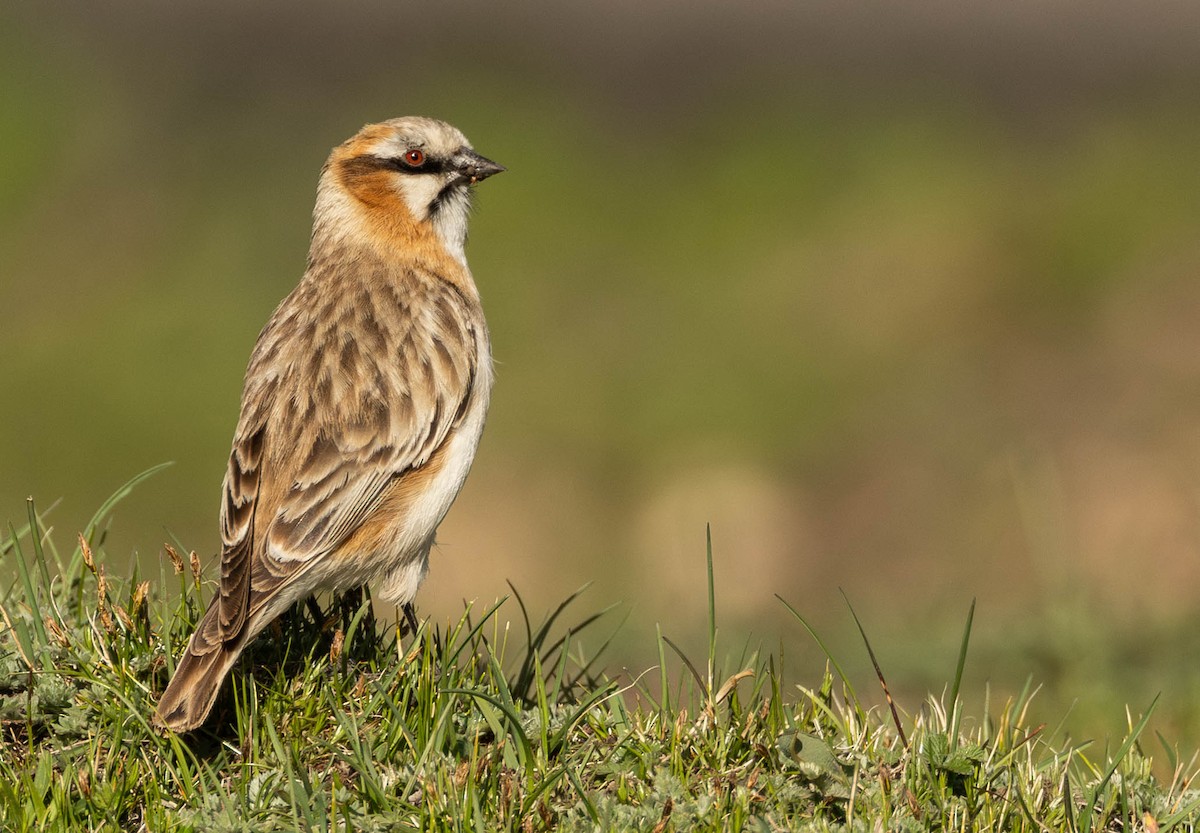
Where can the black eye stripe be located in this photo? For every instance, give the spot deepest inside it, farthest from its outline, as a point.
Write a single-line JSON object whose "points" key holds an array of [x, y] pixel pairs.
{"points": [[431, 165]]}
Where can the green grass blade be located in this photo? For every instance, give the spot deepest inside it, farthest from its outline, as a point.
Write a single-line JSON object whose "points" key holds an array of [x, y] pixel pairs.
{"points": [[878, 673], [118, 496], [1086, 815], [32, 598], [696, 675], [712, 614], [514, 722], [955, 689], [664, 694], [39, 554], [825, 650]]}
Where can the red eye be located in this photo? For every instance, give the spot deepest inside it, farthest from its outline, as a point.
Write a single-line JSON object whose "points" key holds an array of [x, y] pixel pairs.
{"points": [[415, 158]]}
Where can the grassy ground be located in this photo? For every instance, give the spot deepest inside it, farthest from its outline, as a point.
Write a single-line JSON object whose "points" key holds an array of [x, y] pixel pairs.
{"points": [[343, 724]]}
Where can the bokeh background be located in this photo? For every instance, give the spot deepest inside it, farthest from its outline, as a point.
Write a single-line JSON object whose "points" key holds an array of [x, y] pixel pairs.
{"points": [[901, 298]]}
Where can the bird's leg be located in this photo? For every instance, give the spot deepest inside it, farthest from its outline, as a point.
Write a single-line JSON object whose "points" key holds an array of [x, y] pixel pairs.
{"points": [[410, 619], [314, 610], [368, 630]]}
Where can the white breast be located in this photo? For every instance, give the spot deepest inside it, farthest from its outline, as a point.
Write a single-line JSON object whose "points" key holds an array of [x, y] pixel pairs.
{"points": [[403, 567]]}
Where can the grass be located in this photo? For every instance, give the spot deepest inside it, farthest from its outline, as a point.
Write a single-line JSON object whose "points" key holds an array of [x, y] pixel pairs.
{"points": [[338, 723]]}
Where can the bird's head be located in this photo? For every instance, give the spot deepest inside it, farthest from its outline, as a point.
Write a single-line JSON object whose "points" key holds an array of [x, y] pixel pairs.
{"points": [[413, 175]]}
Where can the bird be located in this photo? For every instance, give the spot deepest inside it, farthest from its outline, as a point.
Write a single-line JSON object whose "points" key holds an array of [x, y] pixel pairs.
{"points": [[363, 401]]}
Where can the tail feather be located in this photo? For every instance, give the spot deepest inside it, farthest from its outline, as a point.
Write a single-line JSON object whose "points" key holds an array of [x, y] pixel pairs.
{"points": [[198, 676]]}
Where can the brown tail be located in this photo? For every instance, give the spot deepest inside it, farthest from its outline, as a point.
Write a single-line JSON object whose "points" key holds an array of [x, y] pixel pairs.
{"points": [[202, 668]]}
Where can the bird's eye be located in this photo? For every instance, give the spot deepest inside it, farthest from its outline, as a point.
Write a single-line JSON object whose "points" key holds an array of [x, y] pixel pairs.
{"points": [[415, 158]]}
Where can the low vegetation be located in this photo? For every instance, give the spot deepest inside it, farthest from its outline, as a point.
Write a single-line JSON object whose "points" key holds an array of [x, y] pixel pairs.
{"points": [[335, 722]]}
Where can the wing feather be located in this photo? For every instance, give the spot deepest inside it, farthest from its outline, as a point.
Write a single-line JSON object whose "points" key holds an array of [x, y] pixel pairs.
{"points": [[341, 399]]}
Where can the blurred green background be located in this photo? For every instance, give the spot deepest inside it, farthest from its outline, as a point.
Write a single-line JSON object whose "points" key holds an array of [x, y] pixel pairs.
{"points": [[901, 298]]}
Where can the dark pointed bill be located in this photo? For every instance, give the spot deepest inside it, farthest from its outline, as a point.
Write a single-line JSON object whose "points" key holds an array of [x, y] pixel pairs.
{"points": [[475, 167]]}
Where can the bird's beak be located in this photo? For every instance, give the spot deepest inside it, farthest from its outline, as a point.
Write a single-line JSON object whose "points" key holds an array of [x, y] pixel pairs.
{"points": [[475, 167]]}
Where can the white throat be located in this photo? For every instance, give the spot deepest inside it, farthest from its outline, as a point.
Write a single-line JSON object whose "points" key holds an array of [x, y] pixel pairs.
{"points": [[449, 217]]}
